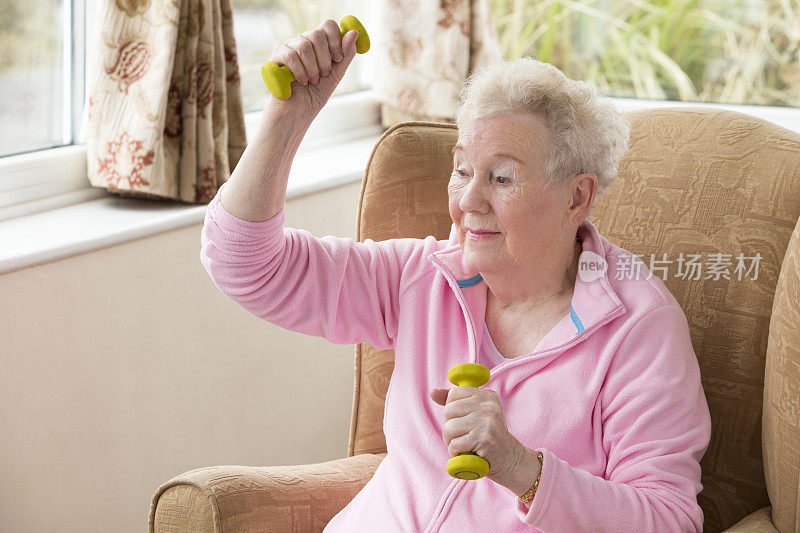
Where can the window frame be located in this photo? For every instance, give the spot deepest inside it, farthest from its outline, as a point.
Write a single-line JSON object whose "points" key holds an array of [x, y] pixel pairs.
{"points": [[75, 101]]}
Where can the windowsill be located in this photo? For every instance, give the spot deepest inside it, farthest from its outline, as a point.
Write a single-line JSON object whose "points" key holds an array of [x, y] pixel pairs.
{"points": [[110, 220]]}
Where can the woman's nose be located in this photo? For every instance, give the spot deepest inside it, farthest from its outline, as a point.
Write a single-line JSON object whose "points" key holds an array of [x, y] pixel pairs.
{"points": [[474, 197]]}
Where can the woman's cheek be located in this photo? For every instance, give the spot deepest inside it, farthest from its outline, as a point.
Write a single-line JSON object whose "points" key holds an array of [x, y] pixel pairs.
{"points": [[456, 180], [455, 189]]}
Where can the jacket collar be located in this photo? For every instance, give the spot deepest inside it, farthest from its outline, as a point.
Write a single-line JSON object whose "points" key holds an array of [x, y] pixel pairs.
{"points": [[592, 301]]}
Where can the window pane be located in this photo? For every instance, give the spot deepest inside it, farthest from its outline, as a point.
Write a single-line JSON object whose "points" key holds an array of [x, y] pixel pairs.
{"points": [[31, 75], [260, 25], [726, 51]]}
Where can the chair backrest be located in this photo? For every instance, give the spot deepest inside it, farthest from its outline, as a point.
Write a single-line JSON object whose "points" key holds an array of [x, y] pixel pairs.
{"points": [[406, 177], [695, 181]]}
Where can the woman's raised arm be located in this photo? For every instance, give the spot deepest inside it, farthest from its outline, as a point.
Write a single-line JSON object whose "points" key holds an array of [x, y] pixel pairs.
{"points": [[319, 59], [331, 287]]}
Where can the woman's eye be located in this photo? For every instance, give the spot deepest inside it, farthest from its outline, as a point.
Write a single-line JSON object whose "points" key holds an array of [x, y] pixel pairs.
{"points": [[463, 174]]}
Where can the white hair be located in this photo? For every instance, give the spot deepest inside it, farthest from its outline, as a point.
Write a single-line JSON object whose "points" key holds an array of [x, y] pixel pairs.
{"points": [[587, 135]]}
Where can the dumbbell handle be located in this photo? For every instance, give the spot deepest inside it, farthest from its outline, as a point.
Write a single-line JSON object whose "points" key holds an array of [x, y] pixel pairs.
{"points": [[278, 79], [468, 465]]}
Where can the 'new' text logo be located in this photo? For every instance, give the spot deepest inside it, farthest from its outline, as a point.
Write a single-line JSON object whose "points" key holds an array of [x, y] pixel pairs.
{"points": [[591, 266]]}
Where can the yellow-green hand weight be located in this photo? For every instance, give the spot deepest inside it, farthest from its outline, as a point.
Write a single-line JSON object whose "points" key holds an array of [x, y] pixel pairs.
{"points": [[278, 79], [468, 465]]}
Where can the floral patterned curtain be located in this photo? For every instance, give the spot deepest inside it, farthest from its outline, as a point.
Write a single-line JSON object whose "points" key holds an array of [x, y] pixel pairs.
{"points": [[165, 118], [424, 51]]}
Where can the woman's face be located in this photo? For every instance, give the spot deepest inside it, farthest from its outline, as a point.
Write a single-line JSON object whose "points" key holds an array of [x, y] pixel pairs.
{"points": [[490, 190]]}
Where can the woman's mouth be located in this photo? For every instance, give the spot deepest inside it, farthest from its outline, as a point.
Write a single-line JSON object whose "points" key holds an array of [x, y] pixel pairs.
{"points": [[482, 235]]}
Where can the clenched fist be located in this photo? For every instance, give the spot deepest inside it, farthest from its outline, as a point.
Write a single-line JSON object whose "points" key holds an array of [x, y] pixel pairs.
{"points": [[474, 422]]}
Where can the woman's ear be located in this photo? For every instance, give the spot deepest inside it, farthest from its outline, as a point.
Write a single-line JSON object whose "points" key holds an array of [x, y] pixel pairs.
{"points": [[581, 196]]}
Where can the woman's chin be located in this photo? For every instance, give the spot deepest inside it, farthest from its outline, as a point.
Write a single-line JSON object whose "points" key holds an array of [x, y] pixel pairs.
{"points": [[478, 260]]}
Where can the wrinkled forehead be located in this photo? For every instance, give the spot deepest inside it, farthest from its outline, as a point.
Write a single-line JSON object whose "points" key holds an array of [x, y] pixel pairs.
{"points": [[514, 137]]}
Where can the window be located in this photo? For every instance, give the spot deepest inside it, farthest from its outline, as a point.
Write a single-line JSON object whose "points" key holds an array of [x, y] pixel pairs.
{"points": [[42, 61], [41, 74], [260, 25], [725, 51], [44, 48], [730, 52]]}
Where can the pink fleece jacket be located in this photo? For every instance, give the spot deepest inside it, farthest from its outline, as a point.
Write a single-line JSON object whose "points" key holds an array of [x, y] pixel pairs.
{"points": [[611, 396]]}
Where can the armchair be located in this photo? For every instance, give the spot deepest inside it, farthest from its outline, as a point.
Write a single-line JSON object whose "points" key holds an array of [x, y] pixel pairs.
{"points": [[696, 180]]}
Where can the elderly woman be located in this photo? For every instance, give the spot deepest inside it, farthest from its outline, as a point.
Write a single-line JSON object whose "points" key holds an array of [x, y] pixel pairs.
{"points": [[594, 418]]}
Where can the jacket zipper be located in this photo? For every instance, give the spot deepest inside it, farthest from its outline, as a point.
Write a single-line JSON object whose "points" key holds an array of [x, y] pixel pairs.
{"points": [[452, 488]]}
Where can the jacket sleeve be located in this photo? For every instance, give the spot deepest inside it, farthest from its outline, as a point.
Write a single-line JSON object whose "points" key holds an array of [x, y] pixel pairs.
{"points": [[656, 427], [344, 291]]}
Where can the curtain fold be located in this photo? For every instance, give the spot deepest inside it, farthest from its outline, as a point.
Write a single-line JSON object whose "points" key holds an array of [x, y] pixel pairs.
{"points": [[165, 118], [424, 51]]}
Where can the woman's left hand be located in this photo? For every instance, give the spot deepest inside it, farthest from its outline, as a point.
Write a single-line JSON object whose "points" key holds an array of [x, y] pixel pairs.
{"points": [[474, 422]]}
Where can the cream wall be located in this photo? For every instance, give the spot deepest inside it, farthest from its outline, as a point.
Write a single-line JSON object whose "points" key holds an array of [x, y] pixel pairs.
{"points": [[124, 367]]}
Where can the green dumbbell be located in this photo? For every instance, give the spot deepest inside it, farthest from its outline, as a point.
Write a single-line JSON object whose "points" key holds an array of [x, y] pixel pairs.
{"points": [[278, 79], [468, 465]]}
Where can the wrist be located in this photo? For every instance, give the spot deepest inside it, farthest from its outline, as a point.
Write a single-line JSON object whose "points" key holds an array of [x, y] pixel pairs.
{"points": [[280, 131], [530, 494], [277, 111], [523, 475]]}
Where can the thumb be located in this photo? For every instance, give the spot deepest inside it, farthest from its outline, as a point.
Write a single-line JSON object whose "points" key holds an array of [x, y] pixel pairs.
{"points": [[439, 396], [348, 53]]}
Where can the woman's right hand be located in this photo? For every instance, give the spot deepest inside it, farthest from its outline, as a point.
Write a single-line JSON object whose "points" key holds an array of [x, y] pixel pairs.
{"points": [[318, 59]]}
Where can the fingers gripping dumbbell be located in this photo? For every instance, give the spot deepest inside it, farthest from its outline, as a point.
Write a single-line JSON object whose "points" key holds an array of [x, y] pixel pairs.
{"points": [[468, 465], [278, 79]]}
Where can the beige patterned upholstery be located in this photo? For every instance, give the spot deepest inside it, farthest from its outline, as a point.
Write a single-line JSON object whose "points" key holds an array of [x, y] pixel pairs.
{"points": [[717, 181], [781, 414], [696, 180], [251, 498]]}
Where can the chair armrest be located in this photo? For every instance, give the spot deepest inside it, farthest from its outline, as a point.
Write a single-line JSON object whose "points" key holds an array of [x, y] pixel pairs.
{"points": [[757, 522], [252, 498]]}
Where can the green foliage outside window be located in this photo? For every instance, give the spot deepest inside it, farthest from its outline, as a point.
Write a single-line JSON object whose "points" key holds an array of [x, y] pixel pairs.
{"points": [[736, 52], [739, 52], [29, 34]]}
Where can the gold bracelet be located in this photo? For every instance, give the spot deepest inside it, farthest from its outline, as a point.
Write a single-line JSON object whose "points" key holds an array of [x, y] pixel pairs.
{"points": [[528, 496]]}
